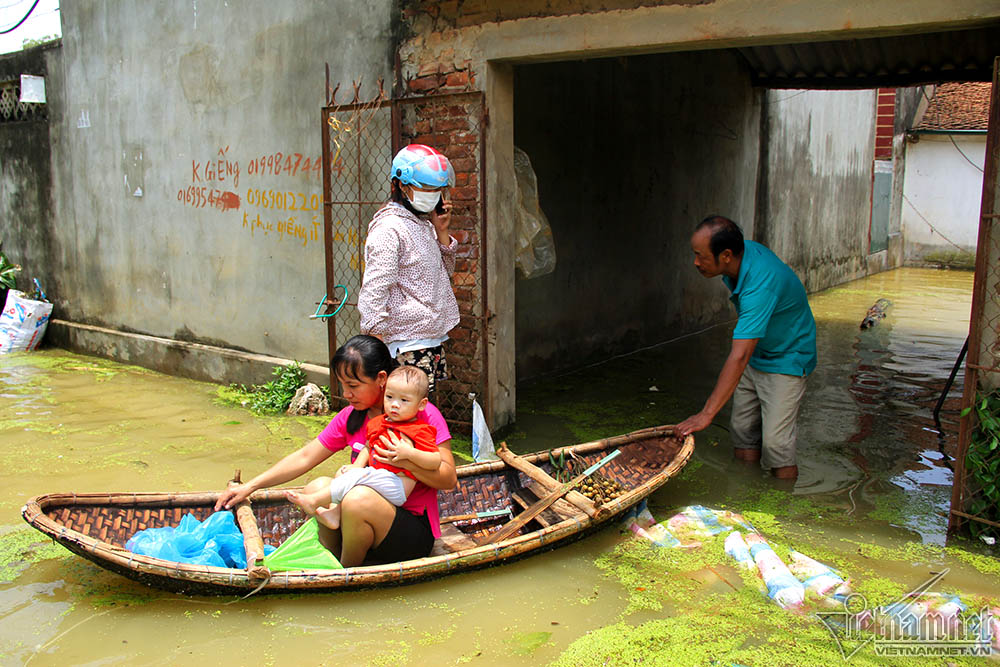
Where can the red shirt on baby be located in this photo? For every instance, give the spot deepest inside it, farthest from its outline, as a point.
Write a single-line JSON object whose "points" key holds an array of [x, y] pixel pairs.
{"points": [[423, 435]]}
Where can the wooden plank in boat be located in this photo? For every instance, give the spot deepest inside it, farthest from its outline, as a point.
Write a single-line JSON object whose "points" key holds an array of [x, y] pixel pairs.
{"points": [[561, 508], [526, 498]]}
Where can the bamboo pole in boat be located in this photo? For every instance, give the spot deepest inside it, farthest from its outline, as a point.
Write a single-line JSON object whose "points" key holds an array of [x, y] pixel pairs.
{"points": [[253, 544], [545, 479], [543, 504]]}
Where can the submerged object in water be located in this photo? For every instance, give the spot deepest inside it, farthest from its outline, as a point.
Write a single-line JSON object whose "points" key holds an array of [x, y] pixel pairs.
{"points": [[876, 313]]}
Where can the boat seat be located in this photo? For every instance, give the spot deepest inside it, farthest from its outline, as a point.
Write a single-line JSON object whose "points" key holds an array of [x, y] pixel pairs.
{"points": [[451, 540]]}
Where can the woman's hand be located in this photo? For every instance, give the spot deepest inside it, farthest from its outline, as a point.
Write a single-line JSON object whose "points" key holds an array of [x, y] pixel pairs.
{"points": [[233, 496], [441, 222]]}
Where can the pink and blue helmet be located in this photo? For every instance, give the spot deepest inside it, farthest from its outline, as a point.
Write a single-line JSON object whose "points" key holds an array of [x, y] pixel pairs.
{"points": [[423, 167]]}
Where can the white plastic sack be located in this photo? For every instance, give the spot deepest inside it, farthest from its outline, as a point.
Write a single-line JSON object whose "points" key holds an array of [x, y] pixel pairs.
{"points": [[536, 250], [22, 322], [482, 441]]}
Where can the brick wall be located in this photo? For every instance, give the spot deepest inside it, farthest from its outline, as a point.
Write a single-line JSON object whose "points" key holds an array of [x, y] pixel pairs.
{"points": [[885, 116]]}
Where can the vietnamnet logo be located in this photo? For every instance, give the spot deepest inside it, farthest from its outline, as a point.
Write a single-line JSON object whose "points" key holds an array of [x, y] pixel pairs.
{"points": [[920, 624]]}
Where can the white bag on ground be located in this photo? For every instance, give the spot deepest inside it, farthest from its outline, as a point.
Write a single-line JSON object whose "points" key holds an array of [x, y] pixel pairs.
{"points": [[482, 441], [22, 322]]}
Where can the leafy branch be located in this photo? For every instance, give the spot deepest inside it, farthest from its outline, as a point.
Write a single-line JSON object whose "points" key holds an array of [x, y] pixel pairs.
{"points": [[982, 462]]}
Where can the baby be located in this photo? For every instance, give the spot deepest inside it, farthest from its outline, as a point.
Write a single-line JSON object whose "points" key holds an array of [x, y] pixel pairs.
{"points": [[405, 396]]}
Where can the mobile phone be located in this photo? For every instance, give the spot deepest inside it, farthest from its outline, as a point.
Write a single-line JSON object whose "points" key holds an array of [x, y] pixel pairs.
{"points": [[439, 209]]}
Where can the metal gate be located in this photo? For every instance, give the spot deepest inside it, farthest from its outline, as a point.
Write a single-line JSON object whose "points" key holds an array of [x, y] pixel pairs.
{"points": [[359, 140], [977, 471]]}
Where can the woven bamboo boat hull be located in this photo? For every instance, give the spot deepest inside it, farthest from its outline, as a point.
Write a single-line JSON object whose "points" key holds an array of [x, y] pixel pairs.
{"points": [[97, 525]]}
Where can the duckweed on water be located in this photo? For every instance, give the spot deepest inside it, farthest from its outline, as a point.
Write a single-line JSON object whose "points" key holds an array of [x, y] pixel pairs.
{"points": [[527, 643], [21, 547]]}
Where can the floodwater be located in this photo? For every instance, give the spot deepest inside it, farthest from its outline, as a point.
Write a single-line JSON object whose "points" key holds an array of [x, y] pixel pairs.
{"points": [[873, 494]]}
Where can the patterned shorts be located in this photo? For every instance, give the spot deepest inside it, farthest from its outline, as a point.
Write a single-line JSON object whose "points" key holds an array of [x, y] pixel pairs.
{"points": [[430, 360]]}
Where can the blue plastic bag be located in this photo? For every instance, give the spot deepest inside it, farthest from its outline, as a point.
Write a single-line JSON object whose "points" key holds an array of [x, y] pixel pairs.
{"points": [[215, 541]]}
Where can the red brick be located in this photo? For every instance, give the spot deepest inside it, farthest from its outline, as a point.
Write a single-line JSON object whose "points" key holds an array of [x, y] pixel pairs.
{"points": [[457, 80], [467, 193], [458, 334], [458, 123], [425, 83], [464, 164]]}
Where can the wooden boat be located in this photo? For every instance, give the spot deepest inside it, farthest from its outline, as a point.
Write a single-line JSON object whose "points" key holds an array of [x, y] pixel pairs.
{"points": [[97, 525]]}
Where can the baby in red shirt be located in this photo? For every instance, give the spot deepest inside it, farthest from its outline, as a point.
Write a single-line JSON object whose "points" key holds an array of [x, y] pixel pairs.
{"points": [[405, 396]]}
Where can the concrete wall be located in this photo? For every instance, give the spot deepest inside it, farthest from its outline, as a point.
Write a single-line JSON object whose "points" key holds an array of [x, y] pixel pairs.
{"points": [[942, 192], [816, 191], [630, 154], [27, 221], [172, 124]]}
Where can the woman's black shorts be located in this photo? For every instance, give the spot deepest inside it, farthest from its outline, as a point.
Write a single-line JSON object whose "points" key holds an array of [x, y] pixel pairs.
{"points": [[409, 537]]}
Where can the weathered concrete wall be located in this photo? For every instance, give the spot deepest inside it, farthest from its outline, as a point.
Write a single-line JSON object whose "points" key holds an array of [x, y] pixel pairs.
{"points": [[630, 154], [816, 202], [27, 221], [187, 161], [943, 191]]}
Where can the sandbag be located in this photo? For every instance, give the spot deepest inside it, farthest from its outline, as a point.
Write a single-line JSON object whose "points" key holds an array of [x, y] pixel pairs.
{"points": [[22, 322]]}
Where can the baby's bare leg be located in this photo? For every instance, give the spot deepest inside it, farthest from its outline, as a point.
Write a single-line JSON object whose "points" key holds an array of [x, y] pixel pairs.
{"points": [[329, 516], [309, 502]]}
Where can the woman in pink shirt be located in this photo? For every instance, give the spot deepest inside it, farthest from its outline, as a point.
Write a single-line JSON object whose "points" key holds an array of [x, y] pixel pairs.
{"points": [[372, 530], [406, 297]]}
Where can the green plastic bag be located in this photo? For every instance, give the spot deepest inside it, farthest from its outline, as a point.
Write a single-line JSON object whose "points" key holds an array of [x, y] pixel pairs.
{"points": [[302, 551]]}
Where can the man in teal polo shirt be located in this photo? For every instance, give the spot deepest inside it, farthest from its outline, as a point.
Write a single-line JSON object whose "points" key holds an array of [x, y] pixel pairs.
{"points": [[774, 346]]}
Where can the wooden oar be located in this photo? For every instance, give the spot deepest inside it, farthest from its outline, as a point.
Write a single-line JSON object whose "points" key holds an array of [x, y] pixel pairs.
{"points": [[540, 506]]}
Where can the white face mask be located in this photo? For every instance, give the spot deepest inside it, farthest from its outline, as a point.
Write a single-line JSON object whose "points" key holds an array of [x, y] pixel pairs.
{"points": [[424, 201]]}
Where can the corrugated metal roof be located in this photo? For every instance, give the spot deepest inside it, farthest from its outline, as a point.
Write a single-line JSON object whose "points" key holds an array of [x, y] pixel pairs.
{"points": [[902, 60], [958, 106]]}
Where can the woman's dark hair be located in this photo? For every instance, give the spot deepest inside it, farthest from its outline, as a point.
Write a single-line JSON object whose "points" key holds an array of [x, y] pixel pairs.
{"points": [[362, 358], [397, 196]]}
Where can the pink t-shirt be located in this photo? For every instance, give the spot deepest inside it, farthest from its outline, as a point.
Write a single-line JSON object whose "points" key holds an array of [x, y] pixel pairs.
{"points": [[423, 498]]}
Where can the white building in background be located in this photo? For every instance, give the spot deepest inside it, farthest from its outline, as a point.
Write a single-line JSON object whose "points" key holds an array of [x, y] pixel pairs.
{"points": [[943, 179]]}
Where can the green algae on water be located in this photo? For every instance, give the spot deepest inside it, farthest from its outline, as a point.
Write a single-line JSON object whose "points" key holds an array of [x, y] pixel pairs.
{"points": [[21, 547]]}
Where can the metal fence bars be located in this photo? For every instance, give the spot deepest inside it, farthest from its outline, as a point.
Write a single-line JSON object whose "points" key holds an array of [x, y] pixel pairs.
{"points": [[976, 491], [359, 140]]}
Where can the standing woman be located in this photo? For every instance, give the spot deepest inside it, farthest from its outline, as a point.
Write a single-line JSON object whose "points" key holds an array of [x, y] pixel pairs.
{"points": [[406, 297]]}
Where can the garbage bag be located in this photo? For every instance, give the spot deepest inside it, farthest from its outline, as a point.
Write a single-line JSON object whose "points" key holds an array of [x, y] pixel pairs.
{"points": [[535, 254], [302, 551], [215, 541], [482, 441], [22, 322]]}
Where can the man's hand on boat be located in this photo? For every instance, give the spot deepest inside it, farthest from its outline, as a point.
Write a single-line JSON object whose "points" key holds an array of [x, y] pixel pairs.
{"points": [[693, 424]]}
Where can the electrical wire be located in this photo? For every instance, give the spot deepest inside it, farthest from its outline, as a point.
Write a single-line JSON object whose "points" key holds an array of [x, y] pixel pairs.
{"points": [[965, 156], [18, 24], [917, 211]]}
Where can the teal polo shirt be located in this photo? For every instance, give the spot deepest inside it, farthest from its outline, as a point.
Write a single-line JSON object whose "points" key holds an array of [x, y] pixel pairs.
{"points": [[773, 307]]}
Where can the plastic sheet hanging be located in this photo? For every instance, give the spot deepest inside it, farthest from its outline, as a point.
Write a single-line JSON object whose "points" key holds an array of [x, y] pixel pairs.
{"points": [[536, 250], [482, 441]]}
